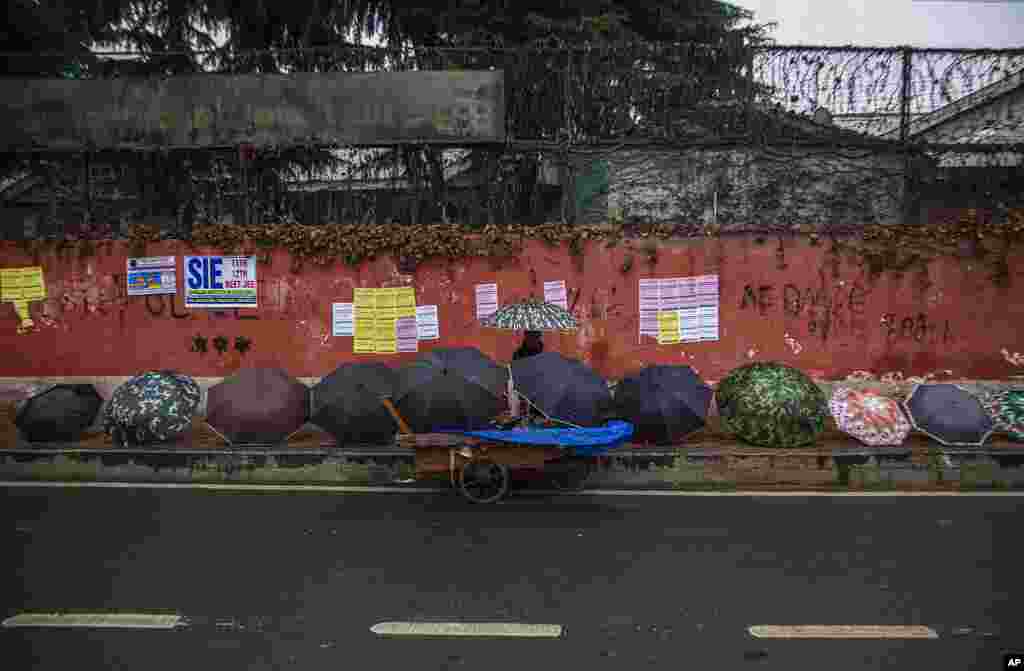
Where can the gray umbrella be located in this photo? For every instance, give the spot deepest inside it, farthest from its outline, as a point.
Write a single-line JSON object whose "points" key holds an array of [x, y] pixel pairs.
{"points": [[257, 405], [949, 414], [347, 404], [61, 413]]}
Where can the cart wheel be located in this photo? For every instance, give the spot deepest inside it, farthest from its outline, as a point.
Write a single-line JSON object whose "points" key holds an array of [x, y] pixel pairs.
{"points": [[570, 475], [483, 480]]}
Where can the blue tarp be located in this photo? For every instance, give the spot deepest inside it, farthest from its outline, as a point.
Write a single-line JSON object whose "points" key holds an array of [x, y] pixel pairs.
{"points": [[582, 441]]}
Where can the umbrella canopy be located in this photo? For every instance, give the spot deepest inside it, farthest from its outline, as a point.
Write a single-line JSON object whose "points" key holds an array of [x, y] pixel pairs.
{"points": [[869, 416], [257, 405], [1006, 408], [154, 407], [665, 403], [562, 388], [59, 413], [948, 414], [531, 315], [450, 388], [347, 403], [771, 404]]}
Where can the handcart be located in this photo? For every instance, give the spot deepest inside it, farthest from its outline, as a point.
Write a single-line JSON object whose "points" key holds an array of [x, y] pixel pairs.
{"points": [[479, 463]]}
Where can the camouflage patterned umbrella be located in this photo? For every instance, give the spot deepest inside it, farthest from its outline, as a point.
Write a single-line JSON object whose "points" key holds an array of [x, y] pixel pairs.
{"points": [[769, 403], [58, 413], [531, 315], [1006, 407], [154, 407], [869, 416]]}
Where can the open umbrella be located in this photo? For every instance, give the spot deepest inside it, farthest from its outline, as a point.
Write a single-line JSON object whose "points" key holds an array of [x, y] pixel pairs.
{"points": [[771, 404], [154, 407], [665, 403], [257, 405], [347, 403], [450, 388], [949, 414], [1006, 408], [531, 315], [869, 416], [59, 413], [563, 389]]}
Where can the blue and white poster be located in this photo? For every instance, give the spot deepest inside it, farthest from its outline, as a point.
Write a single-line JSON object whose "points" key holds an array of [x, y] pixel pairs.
{"points": [[151, 275], [220, 281]]}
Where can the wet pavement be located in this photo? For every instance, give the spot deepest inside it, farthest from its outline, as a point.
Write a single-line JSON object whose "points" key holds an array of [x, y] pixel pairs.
{"points": [[296, 580]]}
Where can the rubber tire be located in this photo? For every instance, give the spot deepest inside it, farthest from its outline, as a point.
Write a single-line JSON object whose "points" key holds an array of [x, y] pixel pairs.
{"points": [[571, 475], [502, 488]]}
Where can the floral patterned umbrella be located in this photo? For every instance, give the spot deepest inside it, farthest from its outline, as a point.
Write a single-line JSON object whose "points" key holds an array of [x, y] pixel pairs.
{"points": [[531, 315], [869, 416], [769, 403], [154, 407], [1006, 407]]}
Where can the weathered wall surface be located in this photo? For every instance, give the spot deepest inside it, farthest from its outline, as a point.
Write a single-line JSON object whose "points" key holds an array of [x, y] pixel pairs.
{"points": [[803, 314]]}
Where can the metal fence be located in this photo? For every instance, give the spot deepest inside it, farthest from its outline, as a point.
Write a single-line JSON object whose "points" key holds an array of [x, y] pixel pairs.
{"points": [[767, 138]]}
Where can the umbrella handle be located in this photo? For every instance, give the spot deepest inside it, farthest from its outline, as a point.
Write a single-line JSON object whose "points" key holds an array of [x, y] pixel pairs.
{"points": [[386, 401]]}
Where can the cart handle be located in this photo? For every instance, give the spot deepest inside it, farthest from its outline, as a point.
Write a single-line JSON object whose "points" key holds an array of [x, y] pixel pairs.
{"points": [[403, 427]]}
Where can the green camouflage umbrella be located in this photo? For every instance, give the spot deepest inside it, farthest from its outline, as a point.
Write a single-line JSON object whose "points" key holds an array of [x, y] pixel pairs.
{"points": [[154, 407], [772, 404], [1006, 407], [531, 315]]}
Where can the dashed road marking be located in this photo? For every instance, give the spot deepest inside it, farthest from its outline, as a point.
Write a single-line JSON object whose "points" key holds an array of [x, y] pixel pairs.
{"points": [[467, 629], [844, 631], [95, 620]]}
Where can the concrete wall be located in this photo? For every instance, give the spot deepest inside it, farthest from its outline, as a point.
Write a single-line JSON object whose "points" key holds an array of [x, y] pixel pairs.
{"points": [[829, 326]]}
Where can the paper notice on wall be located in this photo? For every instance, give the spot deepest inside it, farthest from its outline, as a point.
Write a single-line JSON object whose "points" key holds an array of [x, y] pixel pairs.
{"points": [[405, 302], [343, 322], [555, 293], [707, 310], [486, 300], [668, 327], [671, 294], [387, 315], [220, 282], [650, 300], [406, 334], [364, 308], [149, 275], [22, 284], [427, 325]]}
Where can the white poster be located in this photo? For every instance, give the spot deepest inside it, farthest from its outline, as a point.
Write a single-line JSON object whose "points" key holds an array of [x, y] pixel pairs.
{"points": [[343, 320], [486, 300], [220, 282], [427, 326], [693, 299], [555, 293], [406, 334], [650, 301], [149, 275]]}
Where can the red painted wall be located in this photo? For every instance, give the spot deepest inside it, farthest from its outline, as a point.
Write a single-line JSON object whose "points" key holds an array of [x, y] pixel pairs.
{"points": [[88, 326]]}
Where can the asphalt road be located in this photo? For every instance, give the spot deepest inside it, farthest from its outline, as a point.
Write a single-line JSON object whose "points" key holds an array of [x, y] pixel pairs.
{"points": [[296, 580]]}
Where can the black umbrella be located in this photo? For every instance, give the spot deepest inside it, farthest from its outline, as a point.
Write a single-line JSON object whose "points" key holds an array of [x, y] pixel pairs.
{"points": [[59, 414], [450, 387], [564, 389], [347, 403], [949, 414], [257, 405], [664, 403]]}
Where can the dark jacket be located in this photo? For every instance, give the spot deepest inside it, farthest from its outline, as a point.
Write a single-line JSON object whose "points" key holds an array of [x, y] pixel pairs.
{"points": [[528, 348]]}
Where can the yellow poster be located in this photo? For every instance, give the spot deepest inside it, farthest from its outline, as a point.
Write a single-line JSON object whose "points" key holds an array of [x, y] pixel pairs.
{"points": [[668, 327], [22, 284], [362, 345], [364, 304], [406, 302], [386, 346]]}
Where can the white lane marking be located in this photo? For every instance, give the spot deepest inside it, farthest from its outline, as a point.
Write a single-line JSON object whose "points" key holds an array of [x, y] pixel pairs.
{"points": [[95, 620], [468, 629], [345, 489], [842, 631]]}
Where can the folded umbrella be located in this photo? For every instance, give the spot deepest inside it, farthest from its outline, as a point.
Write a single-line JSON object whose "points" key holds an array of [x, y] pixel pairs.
{"points": [[450, 388], [60, 413], [347, 403], [771, 404], [563, 389], [869, 416], [154, 407], [665, 403], [949, 414], [257, 405]]}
